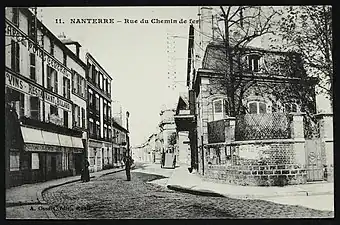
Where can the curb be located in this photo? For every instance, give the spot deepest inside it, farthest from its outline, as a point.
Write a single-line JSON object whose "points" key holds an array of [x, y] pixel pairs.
{"points": [[194, 192], [214, 194]]}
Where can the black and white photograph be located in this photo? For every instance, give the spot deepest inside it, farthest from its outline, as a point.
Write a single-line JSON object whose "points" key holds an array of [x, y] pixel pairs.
{"points": [[169, 112]]}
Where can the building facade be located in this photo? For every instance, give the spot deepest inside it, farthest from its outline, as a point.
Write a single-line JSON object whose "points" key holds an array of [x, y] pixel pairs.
{"points": [[119, 139], [99, 115], [38, 74], [260, 132]]}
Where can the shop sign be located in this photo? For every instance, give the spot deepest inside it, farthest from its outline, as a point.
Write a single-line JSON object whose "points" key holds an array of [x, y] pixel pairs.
{"points": [[18, 84], [57, 101], [32, 47], [42, 148]]}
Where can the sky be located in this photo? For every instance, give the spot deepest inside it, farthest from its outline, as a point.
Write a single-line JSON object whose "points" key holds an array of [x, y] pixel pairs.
{"points": [[146, 77]]}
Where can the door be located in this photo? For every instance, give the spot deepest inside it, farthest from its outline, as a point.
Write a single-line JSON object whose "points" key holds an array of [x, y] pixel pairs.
{"points": [[78, 163], [53, 167], [103, 162], [314, 160]]}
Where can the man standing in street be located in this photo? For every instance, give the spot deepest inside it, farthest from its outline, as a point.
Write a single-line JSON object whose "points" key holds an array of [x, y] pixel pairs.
{"points": [[128, 163]]}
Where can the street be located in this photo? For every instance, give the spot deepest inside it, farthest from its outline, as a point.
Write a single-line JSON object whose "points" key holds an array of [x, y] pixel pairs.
{"points": [[111, 196]]}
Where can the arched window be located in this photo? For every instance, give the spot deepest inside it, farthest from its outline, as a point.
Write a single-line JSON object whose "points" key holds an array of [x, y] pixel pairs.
{"points": [[220, 109], [255, 107]]}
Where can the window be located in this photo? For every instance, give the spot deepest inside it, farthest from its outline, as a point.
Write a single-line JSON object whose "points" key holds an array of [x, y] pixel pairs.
{"points": [[253, 62], [15, 56], [53, 110], [78, 116], [98, 129], [105, 132], [66, 87], [291, 107], [83, 117], [73, 82], [220, 109], [97, 103], [21, 105], [15, 18], [81, 86], [109, 88], [257, 107], [110, 133], [32, 28], [32, 66], [109, 111], [64, 59], [52, 79], [34, 108], [100, 80], [94, 72], [65, 118], [14, 160], [35, 161], [91, 99], [253, 108], [91, 127], [51, 47], [78, 84], [105, 110]]}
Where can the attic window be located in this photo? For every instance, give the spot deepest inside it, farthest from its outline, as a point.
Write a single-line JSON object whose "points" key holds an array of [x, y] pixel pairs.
{"points": [[253, 62]]}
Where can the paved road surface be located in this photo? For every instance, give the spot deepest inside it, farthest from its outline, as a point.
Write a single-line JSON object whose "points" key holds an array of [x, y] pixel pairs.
{"points": [[112, 196]]}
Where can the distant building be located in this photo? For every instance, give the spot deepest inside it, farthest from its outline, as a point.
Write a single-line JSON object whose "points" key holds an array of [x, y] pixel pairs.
{"points": [[119, 134]]}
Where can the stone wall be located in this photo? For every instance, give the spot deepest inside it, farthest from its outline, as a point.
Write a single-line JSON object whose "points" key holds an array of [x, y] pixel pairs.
{"points": [[261, 164]]}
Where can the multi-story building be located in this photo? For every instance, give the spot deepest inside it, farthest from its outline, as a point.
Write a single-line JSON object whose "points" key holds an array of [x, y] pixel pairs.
{"points": [[119, 135], [38, 73], [99, 114]]}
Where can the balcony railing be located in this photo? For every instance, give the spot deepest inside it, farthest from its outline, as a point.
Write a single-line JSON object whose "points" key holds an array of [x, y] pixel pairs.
{"points": [[50, 127]]}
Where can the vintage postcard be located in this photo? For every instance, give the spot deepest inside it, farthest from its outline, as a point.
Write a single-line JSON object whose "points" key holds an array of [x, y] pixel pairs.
{"points": [[177, 112]]}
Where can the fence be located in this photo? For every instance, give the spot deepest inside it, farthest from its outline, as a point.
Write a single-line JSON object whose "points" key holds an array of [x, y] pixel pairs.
{"points": [[262, 126]]}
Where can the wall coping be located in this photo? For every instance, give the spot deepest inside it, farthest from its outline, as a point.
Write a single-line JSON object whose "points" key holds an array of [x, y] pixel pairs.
{"points": [[258, 142], [323, 114]]}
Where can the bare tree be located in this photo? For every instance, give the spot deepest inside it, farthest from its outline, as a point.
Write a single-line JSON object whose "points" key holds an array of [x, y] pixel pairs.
{"points": [[308, 31], [240, 26]]}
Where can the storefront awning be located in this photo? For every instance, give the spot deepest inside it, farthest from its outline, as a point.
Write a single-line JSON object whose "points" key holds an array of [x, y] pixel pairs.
{"points": [[50, 138], [65, 141], [77, 142], [32, 135]]}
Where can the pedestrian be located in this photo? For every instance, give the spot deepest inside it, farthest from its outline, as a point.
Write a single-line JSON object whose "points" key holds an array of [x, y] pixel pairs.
{"points": [[128, 163], [163, 159], [174, 162], [85, 175]]}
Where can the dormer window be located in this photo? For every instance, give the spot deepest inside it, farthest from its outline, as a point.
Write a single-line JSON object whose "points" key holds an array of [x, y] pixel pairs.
{"points": [[253, 62]]}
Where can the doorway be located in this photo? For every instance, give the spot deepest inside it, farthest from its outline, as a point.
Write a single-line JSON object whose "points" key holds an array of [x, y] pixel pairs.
{"points": [[53, 167], [314, 160]]}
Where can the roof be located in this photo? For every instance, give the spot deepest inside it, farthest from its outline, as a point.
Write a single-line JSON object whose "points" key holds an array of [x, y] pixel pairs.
{"points": [[118, 126], [274, 61], [89, 55]]}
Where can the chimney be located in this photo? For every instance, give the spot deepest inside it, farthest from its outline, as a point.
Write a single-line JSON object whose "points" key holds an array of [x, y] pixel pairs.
{"points": [[74, 46], [205, 32]]}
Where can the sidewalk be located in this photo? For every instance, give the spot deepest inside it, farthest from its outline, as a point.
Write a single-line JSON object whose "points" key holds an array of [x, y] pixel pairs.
{"points": [[19, 200], [307, 195]]}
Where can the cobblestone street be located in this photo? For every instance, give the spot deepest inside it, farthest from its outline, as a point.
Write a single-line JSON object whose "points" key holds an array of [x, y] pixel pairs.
{"points": [[112, 196]]}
